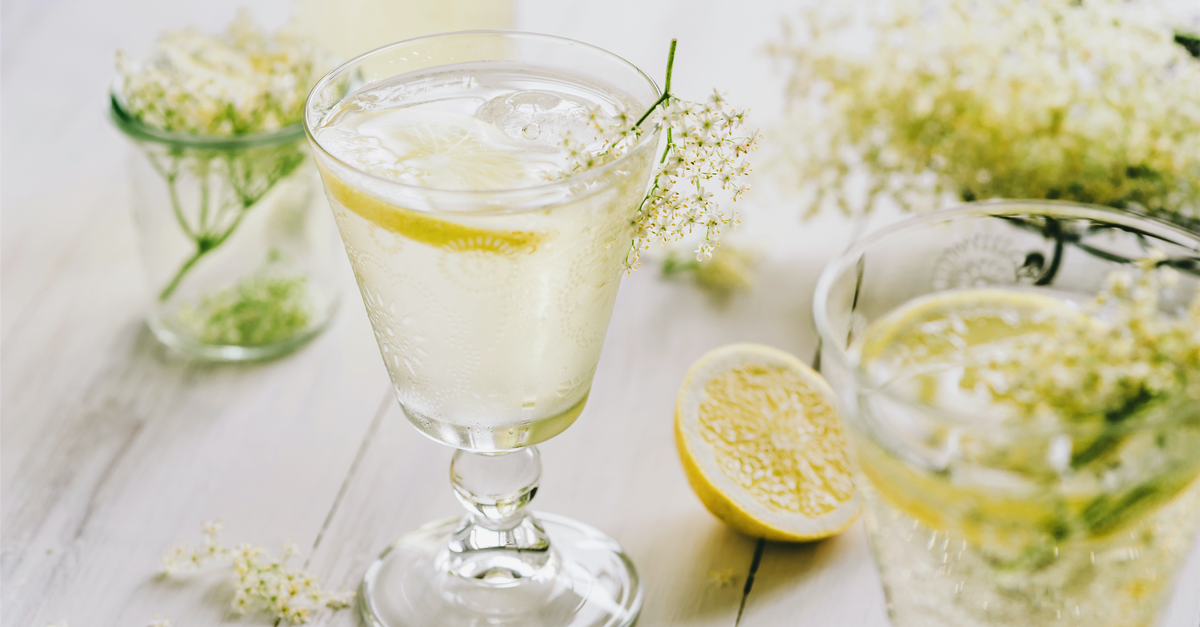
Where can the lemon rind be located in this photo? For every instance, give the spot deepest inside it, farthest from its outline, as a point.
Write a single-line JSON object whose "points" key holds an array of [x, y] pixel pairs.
{"points": [[418, 226], [715, 489]]}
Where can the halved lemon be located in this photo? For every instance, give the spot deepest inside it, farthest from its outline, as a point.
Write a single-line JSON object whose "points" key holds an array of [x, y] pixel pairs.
{"points": [[762, 444]]}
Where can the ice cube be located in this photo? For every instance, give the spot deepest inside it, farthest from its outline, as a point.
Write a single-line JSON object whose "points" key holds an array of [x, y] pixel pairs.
{"points": [[538, 118]]}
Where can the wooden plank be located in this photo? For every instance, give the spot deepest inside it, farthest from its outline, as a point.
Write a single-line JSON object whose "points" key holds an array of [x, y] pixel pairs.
{"points": [[151, 445], [817, 584]]}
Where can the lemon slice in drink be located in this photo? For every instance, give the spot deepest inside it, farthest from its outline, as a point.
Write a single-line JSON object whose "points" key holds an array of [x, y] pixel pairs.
{"points": [[933, 350], [762, 444], [443, 150]]}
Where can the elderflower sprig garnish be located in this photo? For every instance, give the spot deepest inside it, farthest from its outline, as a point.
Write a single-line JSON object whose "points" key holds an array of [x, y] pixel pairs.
{"points": [[706, 148], [1087, 101], [263, 583]]}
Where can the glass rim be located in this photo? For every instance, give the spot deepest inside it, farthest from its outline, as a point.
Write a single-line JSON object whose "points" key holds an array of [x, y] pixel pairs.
{"points": [[648, 139], [845, 260], [136, 129]]}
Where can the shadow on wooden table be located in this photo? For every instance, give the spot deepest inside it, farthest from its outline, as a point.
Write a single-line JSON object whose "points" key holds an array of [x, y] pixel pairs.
{"points": [[829, 582], [697, 575]]}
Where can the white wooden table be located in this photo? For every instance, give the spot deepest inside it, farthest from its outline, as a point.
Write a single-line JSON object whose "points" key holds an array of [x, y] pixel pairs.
{"points": [[113, 448]]}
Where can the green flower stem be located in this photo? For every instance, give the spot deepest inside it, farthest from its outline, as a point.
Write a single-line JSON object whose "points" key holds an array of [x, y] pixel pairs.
{"points": [[187, 265], [663, 99], [666, 95], [250, 176], [169, 176], [204, 195], [204, 245]]}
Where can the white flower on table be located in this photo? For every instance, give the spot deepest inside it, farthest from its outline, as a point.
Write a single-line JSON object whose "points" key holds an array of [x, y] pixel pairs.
{"points": [[262, 583]]}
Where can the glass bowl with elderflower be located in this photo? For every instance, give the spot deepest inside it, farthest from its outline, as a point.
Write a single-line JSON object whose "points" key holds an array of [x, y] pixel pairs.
{"points": [[236, 245], [1021, 382]]}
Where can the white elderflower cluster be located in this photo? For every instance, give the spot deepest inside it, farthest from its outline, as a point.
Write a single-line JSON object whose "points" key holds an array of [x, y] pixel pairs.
{"points": [[704, 162], [926, 99], [1108, 362], [243, 81], [263, 583]]}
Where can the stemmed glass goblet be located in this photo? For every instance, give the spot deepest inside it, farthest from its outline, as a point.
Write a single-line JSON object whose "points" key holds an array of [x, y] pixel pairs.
{"points": [[489, 286]]}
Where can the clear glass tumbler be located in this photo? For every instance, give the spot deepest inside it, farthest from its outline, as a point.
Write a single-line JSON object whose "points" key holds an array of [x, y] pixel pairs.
{"points": [[490, 308], [979, 522], [236, 245]]}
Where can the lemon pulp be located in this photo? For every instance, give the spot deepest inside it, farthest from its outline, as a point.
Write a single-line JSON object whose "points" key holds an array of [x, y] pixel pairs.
{"points": [[776, 436]]}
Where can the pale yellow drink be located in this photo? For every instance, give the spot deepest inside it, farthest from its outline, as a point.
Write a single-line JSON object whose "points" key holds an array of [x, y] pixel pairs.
{"points": [[981, 516], [489, 315]]}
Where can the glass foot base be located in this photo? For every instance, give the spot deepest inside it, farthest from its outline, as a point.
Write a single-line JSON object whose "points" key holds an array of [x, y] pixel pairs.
{"points": [[588, 582]]}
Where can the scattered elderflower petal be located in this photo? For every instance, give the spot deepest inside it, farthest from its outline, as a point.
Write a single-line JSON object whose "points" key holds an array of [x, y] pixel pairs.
{"points": [[262, 583], [242, 81], [721, 276], [163, 621], [1058, 99], [722, 578], [707, 146]]}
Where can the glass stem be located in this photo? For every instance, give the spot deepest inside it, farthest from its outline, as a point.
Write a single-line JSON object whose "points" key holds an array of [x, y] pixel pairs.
{"points": [[499, 539]]}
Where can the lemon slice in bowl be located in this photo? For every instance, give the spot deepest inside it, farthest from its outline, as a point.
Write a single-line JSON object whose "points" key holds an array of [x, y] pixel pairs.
{"points": [[762, 444]]}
